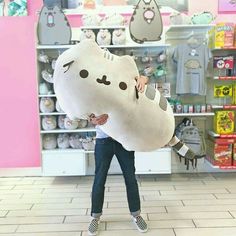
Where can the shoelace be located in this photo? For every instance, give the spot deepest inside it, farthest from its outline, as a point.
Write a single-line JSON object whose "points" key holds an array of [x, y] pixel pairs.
{"points": [[93, 227]]}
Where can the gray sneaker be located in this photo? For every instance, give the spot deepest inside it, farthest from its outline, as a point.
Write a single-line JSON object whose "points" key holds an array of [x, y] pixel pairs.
{"points": [[140, 224], [93, 226]]}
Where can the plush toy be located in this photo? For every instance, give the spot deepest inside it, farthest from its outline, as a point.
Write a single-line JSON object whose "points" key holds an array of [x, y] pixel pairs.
{"points": [[75, 141], [104, 37], [88, 143], [43, 88], [118, 37], [82, 123], [49, 141], [47, 76], [113, 19], [205, 17], [63, 141], [178, 18], [49, 122], [146, 23], [70, 124], [61, 121], [89, 80], [87, 34], [47, 105], [91, 20]]}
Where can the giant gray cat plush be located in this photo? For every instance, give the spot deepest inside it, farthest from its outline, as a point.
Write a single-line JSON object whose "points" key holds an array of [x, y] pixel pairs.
{"points": [[53, 27], [146, 22], [89, 80]]}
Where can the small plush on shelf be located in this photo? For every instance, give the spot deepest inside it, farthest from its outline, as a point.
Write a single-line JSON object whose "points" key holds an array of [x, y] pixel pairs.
{"points": [[63, 141], [49, 141], [61, 121], [43, 57], [47, 76], [88, 143], [44, 88], [49, 122], [75, 141], [113, 19], [70, 124], [82, 123], [91, 20], [87, 34], [47, 105], [118, 37], [104, 37]]}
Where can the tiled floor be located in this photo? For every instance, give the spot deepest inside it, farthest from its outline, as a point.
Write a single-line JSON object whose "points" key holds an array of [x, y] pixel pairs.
{"points": [[173, 205]]}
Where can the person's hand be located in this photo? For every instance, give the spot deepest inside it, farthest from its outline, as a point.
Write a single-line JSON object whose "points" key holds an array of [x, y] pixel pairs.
{"points": [[98, 120], [140, 82]]}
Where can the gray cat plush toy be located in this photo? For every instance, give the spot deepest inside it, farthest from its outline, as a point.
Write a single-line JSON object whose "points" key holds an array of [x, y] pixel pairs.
{"points": [[63, 141], [70, 124], [47, 105], [75, 141], [146, 22], [53, 27], [49, 122], [49, 141], [61, 121]]}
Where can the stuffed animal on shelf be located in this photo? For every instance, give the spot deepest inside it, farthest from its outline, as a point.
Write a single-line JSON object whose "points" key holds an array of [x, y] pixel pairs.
{"points": [[104, 37], [118, 37], [91, 20], [82, 123], [88, 143], [70, 124], [75, 141], [146, 22], [108, 87], [113, 19], [63, 141], [87, 34], [47, 76], [49, 141], [49, 122], [61, 121], [47, 105], [43, 88]]}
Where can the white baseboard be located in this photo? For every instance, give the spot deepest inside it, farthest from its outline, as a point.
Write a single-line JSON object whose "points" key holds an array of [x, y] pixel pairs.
{"points": [[10, 172]]}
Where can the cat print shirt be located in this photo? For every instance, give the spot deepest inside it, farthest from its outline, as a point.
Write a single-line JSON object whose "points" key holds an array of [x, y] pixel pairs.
{"points": [[192, 62]]}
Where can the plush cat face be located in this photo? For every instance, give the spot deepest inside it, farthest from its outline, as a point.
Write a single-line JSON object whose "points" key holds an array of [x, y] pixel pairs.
{"points": [[87, 67]]}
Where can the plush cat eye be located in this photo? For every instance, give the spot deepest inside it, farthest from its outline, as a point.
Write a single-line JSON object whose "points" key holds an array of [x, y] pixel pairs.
{"points": [[68, 65]]}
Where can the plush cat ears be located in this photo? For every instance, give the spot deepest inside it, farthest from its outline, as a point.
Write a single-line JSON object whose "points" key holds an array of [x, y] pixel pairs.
{"points": [[146, 22]]}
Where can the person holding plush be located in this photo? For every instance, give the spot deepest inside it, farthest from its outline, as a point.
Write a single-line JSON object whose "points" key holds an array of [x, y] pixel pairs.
{"points": [[105, 149]]}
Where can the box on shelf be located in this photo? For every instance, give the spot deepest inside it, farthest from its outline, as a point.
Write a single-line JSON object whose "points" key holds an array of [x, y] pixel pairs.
{"points": [[234, 153], [219, 151], [221, 91], [224, 122], [223, 65], [222, 35]]}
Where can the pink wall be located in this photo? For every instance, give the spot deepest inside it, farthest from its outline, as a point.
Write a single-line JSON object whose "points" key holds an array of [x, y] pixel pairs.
{"points": [[19, 140]]}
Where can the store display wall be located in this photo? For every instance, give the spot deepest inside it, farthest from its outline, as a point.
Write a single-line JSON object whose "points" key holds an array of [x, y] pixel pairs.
{"points": [[20, 144]]}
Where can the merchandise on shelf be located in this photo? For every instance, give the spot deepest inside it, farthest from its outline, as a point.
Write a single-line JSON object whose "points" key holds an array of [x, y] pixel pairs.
{"points": [[221, 35], [224, 122], [219, 151], [234, 153], [223, 90], [223, 65]]}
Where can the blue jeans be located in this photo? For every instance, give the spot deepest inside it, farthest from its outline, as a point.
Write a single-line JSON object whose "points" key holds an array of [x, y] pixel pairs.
{"points": [[105, 149]]}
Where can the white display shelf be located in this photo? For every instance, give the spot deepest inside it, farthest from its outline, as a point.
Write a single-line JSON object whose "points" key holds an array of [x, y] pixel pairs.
{"points": [[103, 27], [131, 45], [125, 9], [224, 77], [66, 151], [181, 28], [215, 135], [46, 95], [223, 106], [195, 114], [56, 131], [52, 114]]}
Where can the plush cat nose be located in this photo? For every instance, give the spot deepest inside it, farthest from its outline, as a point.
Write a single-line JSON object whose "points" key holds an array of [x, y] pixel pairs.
{"points": [[149, 14], [103, 80]]}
